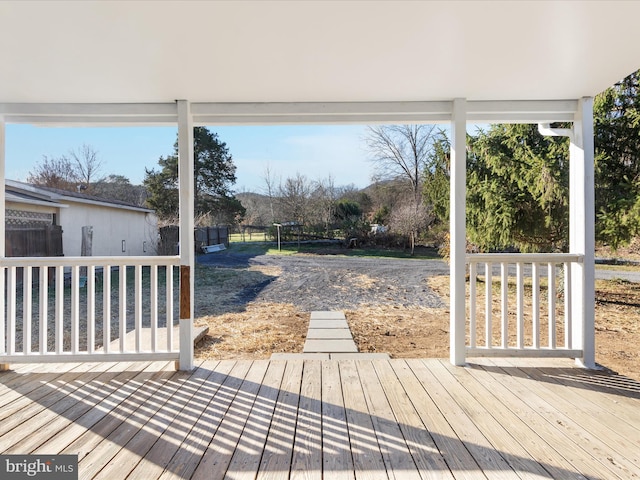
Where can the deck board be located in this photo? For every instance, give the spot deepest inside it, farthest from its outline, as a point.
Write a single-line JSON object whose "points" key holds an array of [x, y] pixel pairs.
{"points": [[108, 405], [337, 463], [185, 461], [395, 452], [330, 419], [146, 416], [570, 438], [490, 461], [167, 445], [503, 438], [216, 458], [306, 463], [597, 428], [131, 398], [508, 409], [423, 449], [246, 457], [368, 461]]}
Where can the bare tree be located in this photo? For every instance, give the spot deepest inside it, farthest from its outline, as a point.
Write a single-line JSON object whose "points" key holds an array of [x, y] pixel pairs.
{"points": [[324, 198], [54, 172], [410, 218], [73, 172], [270, 188], [294, 198], [87, 164], [402, 151]]}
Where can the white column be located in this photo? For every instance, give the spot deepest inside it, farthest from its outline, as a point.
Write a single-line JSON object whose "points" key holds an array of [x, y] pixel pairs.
{"points": [[458, 234], [187, 255], [2, 187], [582, 232], [3, 366]]}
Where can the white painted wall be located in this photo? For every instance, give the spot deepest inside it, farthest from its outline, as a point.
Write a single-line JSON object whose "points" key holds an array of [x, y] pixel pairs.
{"points": [[111, 225]]}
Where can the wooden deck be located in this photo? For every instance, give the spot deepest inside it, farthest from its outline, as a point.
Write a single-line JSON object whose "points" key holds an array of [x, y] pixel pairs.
{"points": [[312, 419]]}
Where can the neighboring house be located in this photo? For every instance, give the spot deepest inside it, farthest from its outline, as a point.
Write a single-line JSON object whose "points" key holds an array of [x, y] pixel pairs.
{"points": [[117, 228]]}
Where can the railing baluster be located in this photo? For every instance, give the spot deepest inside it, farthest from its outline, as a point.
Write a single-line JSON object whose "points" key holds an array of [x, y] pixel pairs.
{"points": [[91, 308], [138, 307], [11, 311], [75, 308], [515, 339], [488, 305], [59, 339], [154, 307], [43, 309], [169, 320], [504, 288], [55, 329], [123, 306], [27, 308], [106, 308], [472, 304], [568, 333], [535, 308], [551, 294], [520, 304]]}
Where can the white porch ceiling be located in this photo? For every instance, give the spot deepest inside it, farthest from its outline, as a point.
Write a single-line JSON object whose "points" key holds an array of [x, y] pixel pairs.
{"points": [[313, 51]]}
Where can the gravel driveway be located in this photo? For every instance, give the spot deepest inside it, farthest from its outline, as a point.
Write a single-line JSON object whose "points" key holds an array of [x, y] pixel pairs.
{"points": [[332, 282], [328, 282]]}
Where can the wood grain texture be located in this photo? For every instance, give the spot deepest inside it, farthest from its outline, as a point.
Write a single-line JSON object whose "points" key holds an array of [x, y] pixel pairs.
{"points": [[185, 292], [327, 419]]}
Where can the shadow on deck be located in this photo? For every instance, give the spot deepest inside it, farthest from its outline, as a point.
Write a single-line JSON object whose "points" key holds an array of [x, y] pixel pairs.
{"points": [[326, 419]]}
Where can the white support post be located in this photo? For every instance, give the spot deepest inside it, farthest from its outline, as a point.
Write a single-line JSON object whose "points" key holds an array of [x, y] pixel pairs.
{"points": [[2, 188], [187, 255], [3, 347], [582, 232], [458, 234]]}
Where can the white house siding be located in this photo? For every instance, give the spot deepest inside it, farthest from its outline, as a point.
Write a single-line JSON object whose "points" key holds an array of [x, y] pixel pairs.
{"points": [[111, 226]]}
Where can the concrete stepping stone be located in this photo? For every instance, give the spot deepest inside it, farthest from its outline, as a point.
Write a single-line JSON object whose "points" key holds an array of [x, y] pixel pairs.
{"points": [[300, 356], [313, 324], [328, 338], [359, 356], [328, 315], [329, 333], [329, 346]]}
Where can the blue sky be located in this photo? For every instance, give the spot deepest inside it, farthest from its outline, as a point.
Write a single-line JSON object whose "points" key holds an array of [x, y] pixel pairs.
{"points": [[314, 151]]}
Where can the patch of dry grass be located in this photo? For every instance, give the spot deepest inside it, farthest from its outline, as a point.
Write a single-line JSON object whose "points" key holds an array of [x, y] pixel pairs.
{"points": [[403, 332], [257, 332]]}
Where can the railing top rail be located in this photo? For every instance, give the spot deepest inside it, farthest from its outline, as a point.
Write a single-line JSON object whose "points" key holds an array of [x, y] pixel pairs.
{"points": [[524, 257], [88, 261]]}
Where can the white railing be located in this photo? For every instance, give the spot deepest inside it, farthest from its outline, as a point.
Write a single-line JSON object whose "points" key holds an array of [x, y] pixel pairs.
{"points": [[529, 293], [56, 309]]}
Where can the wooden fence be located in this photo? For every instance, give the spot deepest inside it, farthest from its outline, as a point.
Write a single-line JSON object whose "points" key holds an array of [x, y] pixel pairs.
{"points": [[45, 241], [170, 236]]}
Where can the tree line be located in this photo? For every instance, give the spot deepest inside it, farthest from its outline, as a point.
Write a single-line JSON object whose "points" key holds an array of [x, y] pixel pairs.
{"points": [[517, 184], [518, 180]]}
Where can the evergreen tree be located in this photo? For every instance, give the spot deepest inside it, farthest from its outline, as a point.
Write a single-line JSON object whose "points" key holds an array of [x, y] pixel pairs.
{"points": [[617, 146], [436, 179], [214, 173], [517, 189]]}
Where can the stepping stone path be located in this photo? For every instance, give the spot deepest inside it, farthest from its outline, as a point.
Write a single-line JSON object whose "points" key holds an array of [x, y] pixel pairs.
{"points": [[329, 337]]}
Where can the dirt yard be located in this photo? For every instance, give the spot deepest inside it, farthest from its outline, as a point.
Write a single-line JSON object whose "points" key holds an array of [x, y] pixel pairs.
{"points": [[257, 305]]}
